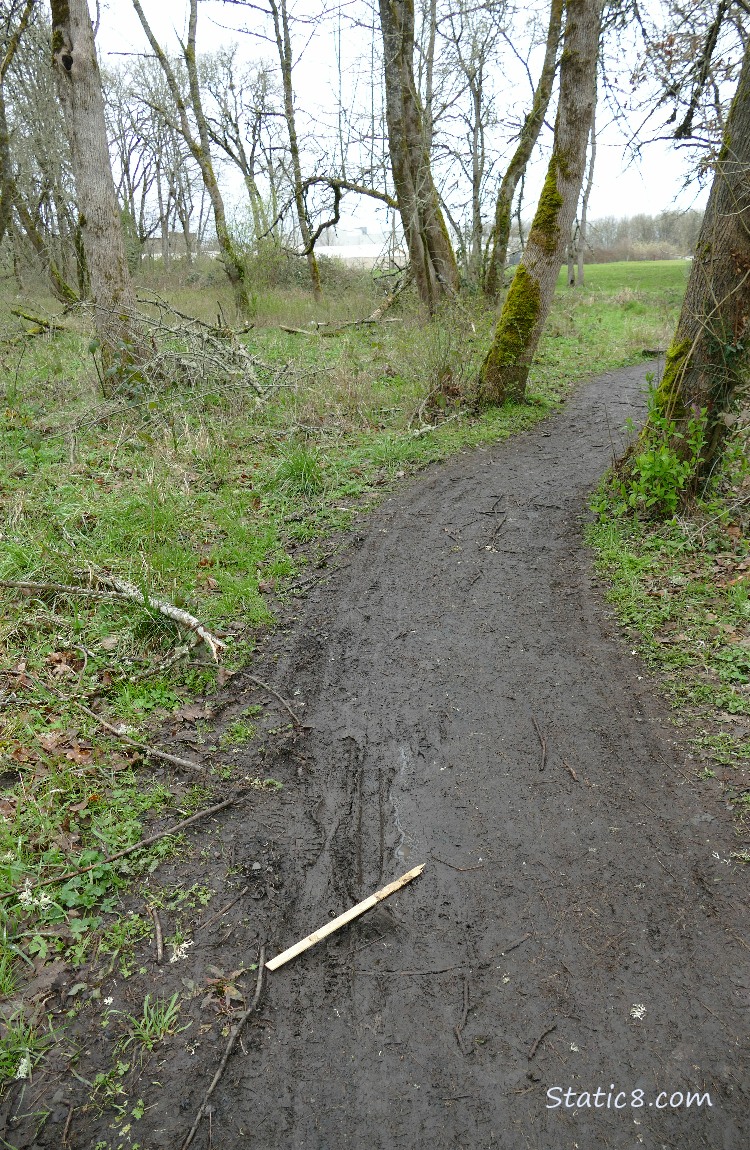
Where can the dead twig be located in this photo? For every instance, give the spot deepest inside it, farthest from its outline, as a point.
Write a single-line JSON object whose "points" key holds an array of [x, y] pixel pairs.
{"points": [[265, 687], [514, 945], [141, 844], [458, 1028], [68, 1121], [571, 772], [543, 743], [224, 910], [460, 869], [233, 1037], [158, 935], [540, 1039]]}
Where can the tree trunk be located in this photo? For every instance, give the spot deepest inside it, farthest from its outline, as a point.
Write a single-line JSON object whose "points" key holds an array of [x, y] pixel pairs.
{"points": [[431, 255], [284, 47], [532, 126], [200, 148], [709, 350], [80, 91], [506, 368]]}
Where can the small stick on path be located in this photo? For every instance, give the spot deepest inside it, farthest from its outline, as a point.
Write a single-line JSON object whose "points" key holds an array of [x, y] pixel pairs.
{"points": [[348, 915], [224, 910], [540, 1039], [571, 772], [236, 1031], [458, 1028], [460, 869], [516, 944], [158, 935], [265, 687], [543, 743]]}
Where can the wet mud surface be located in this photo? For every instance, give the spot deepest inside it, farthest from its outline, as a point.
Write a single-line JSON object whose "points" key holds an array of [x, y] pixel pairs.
{"points": [[471, 705]]}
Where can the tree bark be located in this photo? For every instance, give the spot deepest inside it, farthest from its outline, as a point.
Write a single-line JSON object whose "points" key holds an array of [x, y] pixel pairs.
{"points": [[200, 147], [709, 350], [431, 255], [80, 91], [532, 126], [506, 368]]}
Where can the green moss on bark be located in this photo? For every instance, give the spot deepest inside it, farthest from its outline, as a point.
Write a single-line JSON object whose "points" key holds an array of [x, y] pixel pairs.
{"points": [[504, 371], [669, 393], [545, 230]]}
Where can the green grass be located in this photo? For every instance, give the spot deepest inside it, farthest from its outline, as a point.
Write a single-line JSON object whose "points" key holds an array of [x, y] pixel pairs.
{"points": [[201, 496], [681, 589]]}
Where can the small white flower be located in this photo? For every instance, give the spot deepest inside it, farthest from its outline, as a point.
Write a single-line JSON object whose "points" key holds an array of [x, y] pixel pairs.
{"points": [[108, 1001], [574, 1048], [180, 951], [44, 901], [637, 1010], [24, 1067], [25, 897]]}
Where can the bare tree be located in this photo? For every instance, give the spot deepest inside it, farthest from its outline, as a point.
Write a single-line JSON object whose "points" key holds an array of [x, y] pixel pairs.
{"points": [[432, 260], [80, 91], [527, 139], [199, 142], [506, 367]]}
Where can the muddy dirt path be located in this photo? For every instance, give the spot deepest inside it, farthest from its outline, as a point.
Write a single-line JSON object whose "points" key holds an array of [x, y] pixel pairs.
{"points": [[576, 927]]}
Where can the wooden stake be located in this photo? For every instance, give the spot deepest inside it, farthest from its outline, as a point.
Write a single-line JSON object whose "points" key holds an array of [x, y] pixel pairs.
{"points": [[336, 923]]}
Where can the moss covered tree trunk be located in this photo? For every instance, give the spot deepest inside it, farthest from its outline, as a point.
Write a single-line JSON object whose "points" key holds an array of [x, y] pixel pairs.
{"points": [[505, 370], [80, 91], [431, 255], [709, 349], [493, 279]]}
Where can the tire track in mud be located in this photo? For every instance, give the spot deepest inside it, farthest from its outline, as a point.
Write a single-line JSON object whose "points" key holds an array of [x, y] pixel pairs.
{"points": [[463, 616]]}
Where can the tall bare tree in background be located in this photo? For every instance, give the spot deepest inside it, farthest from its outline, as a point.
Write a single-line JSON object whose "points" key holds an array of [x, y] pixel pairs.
{"points": [[432, 259], [80, 91], [529, 134], [506, 367], [199, 142]]}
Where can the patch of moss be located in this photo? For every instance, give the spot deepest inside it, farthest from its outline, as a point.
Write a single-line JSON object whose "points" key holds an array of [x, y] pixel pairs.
{"points": [[668, 395], [504, 370], [545, 230]]}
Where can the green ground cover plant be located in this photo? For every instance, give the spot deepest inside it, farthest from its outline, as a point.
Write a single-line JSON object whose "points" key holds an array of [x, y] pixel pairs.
{"points": [[679, 575], [207, 497]]}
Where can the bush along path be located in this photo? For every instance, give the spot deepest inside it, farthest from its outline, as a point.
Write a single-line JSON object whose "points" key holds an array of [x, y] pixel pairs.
{"points": [[569, 969]]}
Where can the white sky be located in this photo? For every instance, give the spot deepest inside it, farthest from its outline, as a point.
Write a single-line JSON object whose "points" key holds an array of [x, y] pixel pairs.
{"points": [[622, 187]]}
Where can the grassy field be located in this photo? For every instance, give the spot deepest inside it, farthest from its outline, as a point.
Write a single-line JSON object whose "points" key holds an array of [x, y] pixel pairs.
{"points": [[201, 493]]}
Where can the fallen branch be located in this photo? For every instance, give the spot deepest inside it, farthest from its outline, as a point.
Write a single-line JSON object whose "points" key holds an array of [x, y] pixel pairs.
{"points": [[336, 923], [515, 945], [141, 844], [236, 1031], [224, 910], [40, 324], [543, 743], [183, 618], [121, 589]]}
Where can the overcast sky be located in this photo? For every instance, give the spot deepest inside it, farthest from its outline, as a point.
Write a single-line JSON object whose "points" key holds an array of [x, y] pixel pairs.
{"points": [[623, 186]]}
